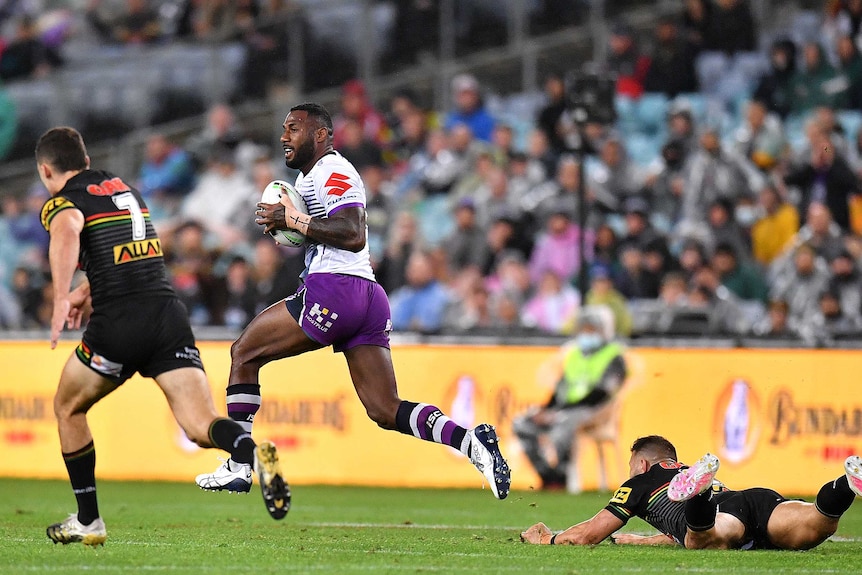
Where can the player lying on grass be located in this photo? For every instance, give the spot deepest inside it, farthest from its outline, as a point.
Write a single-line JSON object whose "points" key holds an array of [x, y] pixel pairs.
{"points": [[691, 509]]}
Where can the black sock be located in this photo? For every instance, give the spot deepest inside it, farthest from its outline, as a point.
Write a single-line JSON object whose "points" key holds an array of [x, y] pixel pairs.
{"points": [[835, 498], [228, 435], [81, 465], [700, 512]]}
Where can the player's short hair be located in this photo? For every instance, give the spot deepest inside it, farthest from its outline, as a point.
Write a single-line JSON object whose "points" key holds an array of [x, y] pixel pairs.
{"points": [[654, 446], [63, 149], [318, 112]]}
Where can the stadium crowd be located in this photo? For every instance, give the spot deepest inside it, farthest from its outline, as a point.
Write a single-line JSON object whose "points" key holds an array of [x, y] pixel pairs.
{"points": [[723, 199]]}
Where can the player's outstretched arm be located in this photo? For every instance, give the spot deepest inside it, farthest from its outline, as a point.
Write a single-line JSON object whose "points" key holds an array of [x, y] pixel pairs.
{"points": [[632, 539], [590, 532]]}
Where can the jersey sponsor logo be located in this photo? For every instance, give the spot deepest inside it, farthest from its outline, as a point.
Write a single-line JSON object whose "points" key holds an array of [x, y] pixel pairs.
{"points": [[670, 465], [621, 495], [337, 184], [52, 207], [135, 251], [108, 187]]}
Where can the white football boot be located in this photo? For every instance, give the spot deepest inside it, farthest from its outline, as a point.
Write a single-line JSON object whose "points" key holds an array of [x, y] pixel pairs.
{"points": [[230, 476], [485, 455], [72, 531], [693, 480], [853, 470]]}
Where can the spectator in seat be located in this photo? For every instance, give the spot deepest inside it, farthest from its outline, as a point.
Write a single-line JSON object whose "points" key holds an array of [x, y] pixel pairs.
{"points": [[626, 61], [469, 108], [553, 304], [591, 370], [603, 293], [825, 178], [776, 323], [549, 115], [846, 283], [357, 107], [817, 83], [744, 281], [760, 138], [466, 246], [671, 70], [775, 89], [26, 55], [166, 175], [776, 225], [139, 24], [730, 27], [801, 284], [830, 320], [420, 304]]}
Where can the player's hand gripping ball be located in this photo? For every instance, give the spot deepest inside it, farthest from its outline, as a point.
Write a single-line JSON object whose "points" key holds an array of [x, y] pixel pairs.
{"points": [[272, 195]]}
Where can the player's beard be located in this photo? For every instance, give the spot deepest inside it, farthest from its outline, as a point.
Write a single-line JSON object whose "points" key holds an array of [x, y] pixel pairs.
{"points": [[302, 155]]}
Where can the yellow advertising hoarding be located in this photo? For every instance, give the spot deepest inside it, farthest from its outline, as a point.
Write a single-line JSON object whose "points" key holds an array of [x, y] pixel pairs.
{"points": [[779, 418]]}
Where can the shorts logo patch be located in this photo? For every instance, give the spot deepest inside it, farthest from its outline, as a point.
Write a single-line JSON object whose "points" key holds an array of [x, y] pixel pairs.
{"points": [[321, 317], [191, 354], [621, 495], [105, 366]]}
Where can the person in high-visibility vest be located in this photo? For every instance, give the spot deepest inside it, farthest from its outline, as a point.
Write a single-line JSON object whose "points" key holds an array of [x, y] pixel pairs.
{"points": [[593, 370]]}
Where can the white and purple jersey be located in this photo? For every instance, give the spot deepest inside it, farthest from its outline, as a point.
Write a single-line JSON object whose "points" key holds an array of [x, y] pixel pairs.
{"points": [[331, 185]]}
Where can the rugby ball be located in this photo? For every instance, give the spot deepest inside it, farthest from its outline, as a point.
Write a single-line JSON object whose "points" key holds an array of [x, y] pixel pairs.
{"points": [[272, 195]]}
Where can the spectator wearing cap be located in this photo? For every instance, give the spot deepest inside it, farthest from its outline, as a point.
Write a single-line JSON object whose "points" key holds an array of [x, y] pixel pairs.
{"points": [[469, 108], [603, 292], [357, 107], [557, 248], [626, 61], [465, 247], [846, 283], [776, 226], [744, 281], [671, 70]]}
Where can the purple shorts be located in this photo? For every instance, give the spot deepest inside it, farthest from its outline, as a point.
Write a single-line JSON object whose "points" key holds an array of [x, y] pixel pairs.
{"points": [[342, 311]]}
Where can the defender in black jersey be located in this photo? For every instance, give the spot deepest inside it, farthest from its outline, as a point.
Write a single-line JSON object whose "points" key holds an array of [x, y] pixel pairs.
{"points": [[136, 324], [714, 518]]}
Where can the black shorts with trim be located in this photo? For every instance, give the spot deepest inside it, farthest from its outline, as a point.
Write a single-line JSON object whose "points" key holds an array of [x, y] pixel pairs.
{"points": [[146, 335], [753, 507]]}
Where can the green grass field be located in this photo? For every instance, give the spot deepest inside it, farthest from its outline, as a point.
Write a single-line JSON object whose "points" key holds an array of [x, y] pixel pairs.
{"points": [[177, 529]]}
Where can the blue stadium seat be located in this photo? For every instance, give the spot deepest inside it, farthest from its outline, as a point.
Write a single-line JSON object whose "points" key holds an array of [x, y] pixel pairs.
{"points": [[711, 68], [627, 114], [643, 148], [851, 121], [652, 113]]}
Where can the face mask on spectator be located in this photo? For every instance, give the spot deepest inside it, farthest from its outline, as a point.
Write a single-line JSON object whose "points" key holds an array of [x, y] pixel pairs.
{"points": [[589, 342], [747, 215]]}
